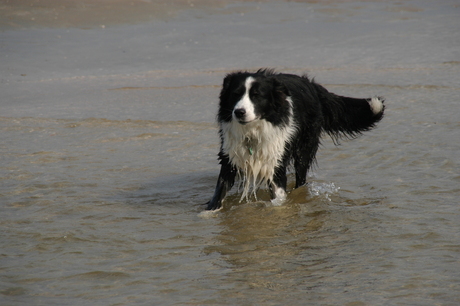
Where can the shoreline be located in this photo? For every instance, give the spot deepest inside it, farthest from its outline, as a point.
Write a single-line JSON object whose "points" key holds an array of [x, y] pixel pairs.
{"points": [[88, 14]]}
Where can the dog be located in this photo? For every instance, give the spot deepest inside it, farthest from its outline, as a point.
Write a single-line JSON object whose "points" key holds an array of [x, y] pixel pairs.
{"points": [[268, 121]]}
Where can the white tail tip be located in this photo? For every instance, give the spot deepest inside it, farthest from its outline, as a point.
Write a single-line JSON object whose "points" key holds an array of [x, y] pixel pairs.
{"points": [[376, 105]]}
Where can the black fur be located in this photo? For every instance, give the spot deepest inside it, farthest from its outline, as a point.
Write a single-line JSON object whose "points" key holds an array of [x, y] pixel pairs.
{"points": [[313, 109]]}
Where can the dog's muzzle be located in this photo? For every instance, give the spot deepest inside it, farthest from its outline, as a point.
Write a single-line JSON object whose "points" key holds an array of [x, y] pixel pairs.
{"points": [[240, 113]]}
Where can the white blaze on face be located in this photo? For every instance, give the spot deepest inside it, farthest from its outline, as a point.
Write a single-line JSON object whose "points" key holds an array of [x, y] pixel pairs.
{"points": [[246, 103]]}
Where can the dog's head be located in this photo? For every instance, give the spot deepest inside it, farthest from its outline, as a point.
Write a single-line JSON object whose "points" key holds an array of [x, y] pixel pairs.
{"points": [[248, 97]]}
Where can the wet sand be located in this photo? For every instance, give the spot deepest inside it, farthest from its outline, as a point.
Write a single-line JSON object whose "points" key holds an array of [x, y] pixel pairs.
{"points": [[94, 13]]}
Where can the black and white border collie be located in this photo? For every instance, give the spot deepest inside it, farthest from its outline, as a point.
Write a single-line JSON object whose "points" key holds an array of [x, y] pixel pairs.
{"points": [[268, 120]]}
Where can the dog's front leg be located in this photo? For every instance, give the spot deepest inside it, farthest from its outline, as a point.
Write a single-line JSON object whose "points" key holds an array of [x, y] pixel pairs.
{"points": [[224, 184], [278, 186]]}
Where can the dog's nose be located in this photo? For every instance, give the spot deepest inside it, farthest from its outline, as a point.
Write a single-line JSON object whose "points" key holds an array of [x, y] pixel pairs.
{"points": [[239, 113]]}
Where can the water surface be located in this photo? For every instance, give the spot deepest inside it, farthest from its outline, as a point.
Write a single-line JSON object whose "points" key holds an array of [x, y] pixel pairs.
{"points": [[108, 153]]}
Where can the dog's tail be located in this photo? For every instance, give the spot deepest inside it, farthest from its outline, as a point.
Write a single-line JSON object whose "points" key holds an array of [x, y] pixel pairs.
{"points": [[348, 117]]}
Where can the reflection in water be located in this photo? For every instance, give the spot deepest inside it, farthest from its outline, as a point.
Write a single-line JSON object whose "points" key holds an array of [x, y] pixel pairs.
{"points": [[292, 247]]}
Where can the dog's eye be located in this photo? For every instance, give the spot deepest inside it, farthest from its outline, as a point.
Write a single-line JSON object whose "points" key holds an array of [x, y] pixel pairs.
{"points": [[238, 92]]}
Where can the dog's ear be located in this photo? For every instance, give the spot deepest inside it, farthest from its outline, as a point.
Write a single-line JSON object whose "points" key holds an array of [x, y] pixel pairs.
{"points": [[225, 87], [226, 83], [280, 90]]}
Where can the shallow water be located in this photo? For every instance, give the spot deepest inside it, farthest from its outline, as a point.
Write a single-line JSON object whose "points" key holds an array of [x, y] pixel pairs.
{"points": [[106, 160]]}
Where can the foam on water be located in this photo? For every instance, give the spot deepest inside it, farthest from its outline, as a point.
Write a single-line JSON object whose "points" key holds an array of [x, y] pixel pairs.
{"points": [[323, 189], [208, 214]]}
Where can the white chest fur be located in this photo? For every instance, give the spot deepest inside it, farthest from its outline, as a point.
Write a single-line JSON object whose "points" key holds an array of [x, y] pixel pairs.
{"points": [[256, 149]]}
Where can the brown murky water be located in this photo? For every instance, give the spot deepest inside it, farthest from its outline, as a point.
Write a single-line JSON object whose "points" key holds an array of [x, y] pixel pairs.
{"points": [[104, 173]]}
